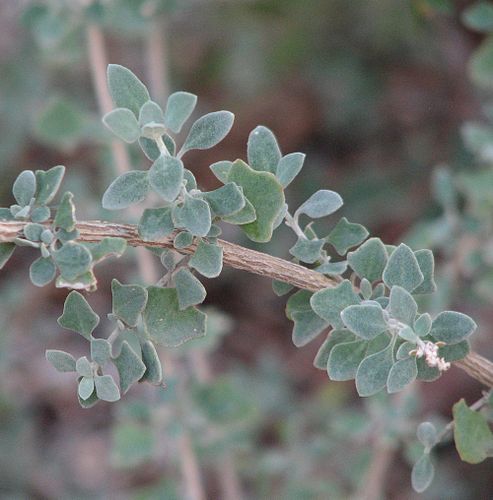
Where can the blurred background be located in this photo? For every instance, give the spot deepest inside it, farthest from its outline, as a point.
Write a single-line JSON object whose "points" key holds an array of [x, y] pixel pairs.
{"points": [[377, 93]]}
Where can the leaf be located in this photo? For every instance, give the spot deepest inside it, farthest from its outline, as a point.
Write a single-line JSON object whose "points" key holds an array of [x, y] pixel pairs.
{"points": [[344, 360], [6, 213], [402, 269], [402, 373], [262, 150], [40, 214], [307, 326], [244, 216], [100, 351], [151, 113], [106, 389], [24, 187], [150, 148], [373, 372], [123, 123], [332, 268], [127, 189], [73, 260], [42, 271], [402, 306], [208, 130], [320, 204], [307, 250], [335, 337], [479, 17], [473, 438], [48, 183], [427, 434], [126, 90], [130, 367], [129, 302], [425, 372], [90, 401], [179, 107], [408, 334], [86, 386], [451, 327], [107, 247], [166, 323], [289, 167], [207, 259], [84, 367], [280, 288], [166, 177], [330, 302], [422, 474], [221, 170], [481, 64], [194, 215], [78, 315], [426, 263], [265, 193], [6, 251], [32, 231], [155, 224], [422, 325], [189, 289], [65, 214], [346, 235], [183, 240], [154, 370], [455, 352], [369, 260], [226, 200], [365, 320], [61, 361]]}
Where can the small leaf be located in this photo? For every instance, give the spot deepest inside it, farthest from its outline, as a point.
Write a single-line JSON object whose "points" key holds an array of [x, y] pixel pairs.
{"points": [[179, 107], [221, 170], [207, 259], [422, 325], [335, 337], [65, 214], [365, 289], [166, 177], [106, 389], [307, 250], [194, 215], [307, 326], [320, 204], [166, 323], [40, 214], [262, 150], [100, 351], [426, 263], [6, 251], [289, 167], [402, 373], [208, 130], [332, 268], [131, 187], [455, 352], [123, 123], [346, 235], [32, 231], [154, 370], [226, 200], [129, 302], [48, 183], [78, 315], [280, 288], [73, 260], [373, 372], [108, 247], [150, 148], [330, 302], [365, 320], [369, 260], [155, 224], [479, 17], [42, 271], [126, 90], [189, 289], [130, 367], [151, 113], [183, 240], [427, 434], [344, 360], [246, 215], [265, 193], [24, 187], [83, 367], [427, 373], [408, 334], [403, 269], [61, 361], [402, 306], [86, 386], [451, 327], [422, 474]]}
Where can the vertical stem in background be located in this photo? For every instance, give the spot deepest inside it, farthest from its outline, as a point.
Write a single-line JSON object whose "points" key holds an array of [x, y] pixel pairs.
{"points": [[98, 61], [158, 74]]}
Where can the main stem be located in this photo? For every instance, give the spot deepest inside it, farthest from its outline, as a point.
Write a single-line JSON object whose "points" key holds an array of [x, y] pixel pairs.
{"points": [[241, 258]]}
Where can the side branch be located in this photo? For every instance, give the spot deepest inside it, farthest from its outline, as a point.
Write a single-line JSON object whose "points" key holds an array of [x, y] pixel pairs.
{"points": [[241, 258]]}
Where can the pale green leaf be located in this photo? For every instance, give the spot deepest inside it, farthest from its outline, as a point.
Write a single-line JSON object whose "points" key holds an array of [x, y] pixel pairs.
{"points": [[402, 373], [221, 170], [6, 251], [65, 214], [151, 113], [130, 367], [179, 107], [155, 224], [106, 388], [131, 187], [403, 269], [226, 200], [100, 351], [369, 260], [479, 16], [262, 150], [307, 250], [427, 434], [422, 473], [183, 240], [40, 214], [86, 387], [123, 123], [320, 204], [426, 263], [189, 289], [61, 361], [346, 235], [289, 167], [344, 359], [373, 372], [42, 271], [48, 182], [166, 177], [194, 215], [107, 247], [32, 231], [24, 187], [73, 260], [452, 327], [154, 370], [126, 90], [365, 320], [84, 367], [402, 305], [78, 315], [207, 259], [335, 337], [129, 302], [422, 325]]}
